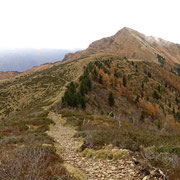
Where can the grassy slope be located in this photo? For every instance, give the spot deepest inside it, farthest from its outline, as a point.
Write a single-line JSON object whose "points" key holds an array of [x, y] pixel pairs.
{"points": [[43, 86], [156, 135], [24, 122], [23, 99]]}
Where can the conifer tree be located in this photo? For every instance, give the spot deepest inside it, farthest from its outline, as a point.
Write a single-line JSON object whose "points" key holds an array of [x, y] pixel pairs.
{"points": [[124, 81], [156, 95], [100, 79], [111, 99]]}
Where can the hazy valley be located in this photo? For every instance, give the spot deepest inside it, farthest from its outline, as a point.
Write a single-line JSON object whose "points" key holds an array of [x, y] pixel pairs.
{"points": [[20, 60]]}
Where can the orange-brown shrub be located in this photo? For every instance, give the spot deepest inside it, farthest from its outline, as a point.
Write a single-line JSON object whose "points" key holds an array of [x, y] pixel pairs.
{"points": [[148, 108]]}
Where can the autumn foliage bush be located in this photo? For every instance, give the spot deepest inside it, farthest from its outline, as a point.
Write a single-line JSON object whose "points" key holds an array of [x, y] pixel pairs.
{"points": [[148, 108], [172, 79]]}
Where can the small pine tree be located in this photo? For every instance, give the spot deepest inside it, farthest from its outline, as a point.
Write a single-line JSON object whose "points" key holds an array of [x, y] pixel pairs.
{"points": [[111, 99], [142, 117], [72, 87], [169, 105], [177, 100], [177, 116], [95, 74], [89, 84], [159, 124], [149, 75], [82, 89], [159, 88], [70, 96], [100, 79], [142, 94], [137, 99], [142, 85], [63, 102], [124, 81], [83, 103], [156, 95], [174, 111]]}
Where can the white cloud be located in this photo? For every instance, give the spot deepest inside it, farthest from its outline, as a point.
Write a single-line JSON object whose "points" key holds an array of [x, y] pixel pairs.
{"points": [[76, 23]]}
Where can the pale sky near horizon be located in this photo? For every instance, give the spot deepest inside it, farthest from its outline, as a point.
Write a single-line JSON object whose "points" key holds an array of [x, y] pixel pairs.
{"points": [[70, 24]]}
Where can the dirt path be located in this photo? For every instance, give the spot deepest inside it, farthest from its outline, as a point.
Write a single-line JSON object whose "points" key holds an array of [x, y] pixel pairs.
{"points": [[94, 169]]}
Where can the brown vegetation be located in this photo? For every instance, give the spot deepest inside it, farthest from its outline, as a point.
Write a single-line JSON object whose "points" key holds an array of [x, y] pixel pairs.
{"points": [[132, 44], [131, 103], [8, 74]]}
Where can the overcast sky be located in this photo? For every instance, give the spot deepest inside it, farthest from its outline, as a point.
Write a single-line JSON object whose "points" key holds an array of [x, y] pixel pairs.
{"points": [[76, 23]]}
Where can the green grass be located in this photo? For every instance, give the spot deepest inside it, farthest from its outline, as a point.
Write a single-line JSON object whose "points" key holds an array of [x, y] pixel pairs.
{"points": [[169, 149]]}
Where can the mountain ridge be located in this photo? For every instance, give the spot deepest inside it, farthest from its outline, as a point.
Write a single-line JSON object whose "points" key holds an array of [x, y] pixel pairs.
{"points": [[8, 74], [132, 44]]}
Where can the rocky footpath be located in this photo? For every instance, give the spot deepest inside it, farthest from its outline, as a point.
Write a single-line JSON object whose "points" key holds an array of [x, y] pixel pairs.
{"points": [[94, 168]]}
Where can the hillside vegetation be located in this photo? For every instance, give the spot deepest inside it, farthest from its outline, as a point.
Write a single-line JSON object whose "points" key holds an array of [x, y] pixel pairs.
{"points": [[130, 104], [8, 74], [26, 151], [122, 101], [42, 86], [24, 104], [143, 91], [107, 97]]}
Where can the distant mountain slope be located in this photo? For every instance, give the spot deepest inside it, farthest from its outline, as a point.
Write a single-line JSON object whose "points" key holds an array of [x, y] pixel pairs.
{"points": [[132, 44], [23, 59], [8, 74]]}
